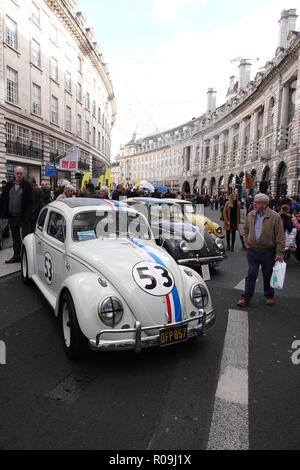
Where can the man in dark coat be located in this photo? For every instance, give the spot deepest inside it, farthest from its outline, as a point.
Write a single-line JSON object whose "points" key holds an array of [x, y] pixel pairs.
{"points": [[38, 197], [118, 193], [16, 204]]}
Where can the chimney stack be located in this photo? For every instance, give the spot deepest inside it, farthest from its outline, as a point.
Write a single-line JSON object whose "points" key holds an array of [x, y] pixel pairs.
{"points": [[245, 74], [211, 100], [287, 23]]}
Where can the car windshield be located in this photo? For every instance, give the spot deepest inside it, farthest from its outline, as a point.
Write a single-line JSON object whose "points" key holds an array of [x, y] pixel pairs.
{"points": [[166, 211], [110, 224], [188, 208]]}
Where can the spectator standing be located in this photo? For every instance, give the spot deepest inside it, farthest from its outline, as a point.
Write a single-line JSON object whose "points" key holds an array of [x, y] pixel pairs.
{"points": [[16, 204], [69, 191], [296, 224], [3, 184], [46, 193], [103, 192], [265, 242], [118, 193], [38, 198], [232, 219]]}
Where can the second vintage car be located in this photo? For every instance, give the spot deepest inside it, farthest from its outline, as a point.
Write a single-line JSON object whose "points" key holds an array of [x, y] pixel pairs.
{"points": [[188, 243], [109, 284]]}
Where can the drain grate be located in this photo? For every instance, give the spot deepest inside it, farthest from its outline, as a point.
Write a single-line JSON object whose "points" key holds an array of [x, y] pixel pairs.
{"points": [[71, 388]]}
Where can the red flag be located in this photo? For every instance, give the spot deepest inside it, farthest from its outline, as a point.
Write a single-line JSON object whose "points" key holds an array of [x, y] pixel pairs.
{"points": [[249, 181], [235, 60]]}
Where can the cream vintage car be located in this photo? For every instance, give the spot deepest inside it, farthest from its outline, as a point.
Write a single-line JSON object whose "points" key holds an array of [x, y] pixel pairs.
{"points": [[109, 284]]}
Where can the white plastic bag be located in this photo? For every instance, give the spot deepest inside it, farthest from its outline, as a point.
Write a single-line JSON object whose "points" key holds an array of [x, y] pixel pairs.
{"points": [[278, 275]]}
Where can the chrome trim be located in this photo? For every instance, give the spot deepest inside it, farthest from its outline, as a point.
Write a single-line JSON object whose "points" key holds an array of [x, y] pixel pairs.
{"points": [[205, 321], [199, 260]]}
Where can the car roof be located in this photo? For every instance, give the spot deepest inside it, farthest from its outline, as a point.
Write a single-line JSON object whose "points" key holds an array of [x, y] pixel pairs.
{"points": [[178, 201], [150, 200], [78, 202]]}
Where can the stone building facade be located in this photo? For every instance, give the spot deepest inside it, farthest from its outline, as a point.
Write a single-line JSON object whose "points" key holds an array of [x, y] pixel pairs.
{"points": [[56, 91], [257, 130]]}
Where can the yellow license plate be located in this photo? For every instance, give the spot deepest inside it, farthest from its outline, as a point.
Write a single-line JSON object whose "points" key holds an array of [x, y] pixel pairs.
{"points": [[172, 335]]}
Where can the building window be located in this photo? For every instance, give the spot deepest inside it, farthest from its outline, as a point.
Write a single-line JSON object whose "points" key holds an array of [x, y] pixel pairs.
{"points": [[35, 13], [23, 136], [36, 140], [99, 115], [53, 69], [68, 82], [35, 53], [94, 136], [94, 108], [87, 101], [11, 33], [87, 131], [12, 86], [10, 132], [54, 34], [54, 110], [36, 99], [79, 65], [79, 92], [68, 118], [78, 125]]}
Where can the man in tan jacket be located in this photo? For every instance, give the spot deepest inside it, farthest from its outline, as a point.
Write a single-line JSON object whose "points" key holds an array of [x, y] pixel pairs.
{"points": [[264, 239]]}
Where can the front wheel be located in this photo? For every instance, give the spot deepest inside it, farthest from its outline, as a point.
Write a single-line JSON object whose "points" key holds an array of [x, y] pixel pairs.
{"points": [[75, 343], [24, 268]]}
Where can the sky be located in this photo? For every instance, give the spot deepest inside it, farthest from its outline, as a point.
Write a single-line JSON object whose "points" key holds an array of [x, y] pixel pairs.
{"points": [[163, 55]]}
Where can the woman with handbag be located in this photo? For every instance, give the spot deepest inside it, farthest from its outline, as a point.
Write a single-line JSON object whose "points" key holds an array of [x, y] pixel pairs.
{"points": [[232, 219]]}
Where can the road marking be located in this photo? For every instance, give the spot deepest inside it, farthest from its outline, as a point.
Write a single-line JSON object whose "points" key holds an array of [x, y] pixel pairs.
{"points": [[240, 285], [230, 422]]}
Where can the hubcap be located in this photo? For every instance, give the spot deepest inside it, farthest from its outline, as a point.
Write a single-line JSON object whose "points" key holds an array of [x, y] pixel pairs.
{"points": [[66, 325]]}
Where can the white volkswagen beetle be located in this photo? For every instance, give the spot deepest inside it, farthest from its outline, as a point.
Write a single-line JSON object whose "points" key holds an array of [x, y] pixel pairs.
{"points": [[110, 285]]}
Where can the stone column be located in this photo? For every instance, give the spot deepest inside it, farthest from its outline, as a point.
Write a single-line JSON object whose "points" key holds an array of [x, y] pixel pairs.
{"points": [[284, 116], [242, 138], [46, 159], [284, 106], [254, 134], [2, 148]]}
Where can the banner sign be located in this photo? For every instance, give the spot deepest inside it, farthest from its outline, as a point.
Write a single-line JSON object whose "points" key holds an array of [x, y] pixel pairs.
{"points": [[70, 161]]}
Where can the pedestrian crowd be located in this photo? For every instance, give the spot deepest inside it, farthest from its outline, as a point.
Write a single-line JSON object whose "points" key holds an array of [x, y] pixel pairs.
{"points": [[22, 200]]}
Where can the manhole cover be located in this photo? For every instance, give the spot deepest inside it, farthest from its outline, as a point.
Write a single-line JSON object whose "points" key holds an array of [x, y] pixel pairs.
{"points": [[71, 388]]}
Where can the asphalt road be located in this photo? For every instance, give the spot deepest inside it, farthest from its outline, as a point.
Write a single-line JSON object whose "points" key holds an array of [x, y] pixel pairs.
{"points": [[235, 388]]}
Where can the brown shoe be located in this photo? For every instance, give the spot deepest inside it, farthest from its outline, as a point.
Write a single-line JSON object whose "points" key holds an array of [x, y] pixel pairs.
{"points": [[270, 301], [242, 303]]}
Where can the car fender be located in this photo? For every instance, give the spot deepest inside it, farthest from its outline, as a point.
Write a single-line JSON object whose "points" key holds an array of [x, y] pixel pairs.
{"points": [[29, 245], [86, 293]]}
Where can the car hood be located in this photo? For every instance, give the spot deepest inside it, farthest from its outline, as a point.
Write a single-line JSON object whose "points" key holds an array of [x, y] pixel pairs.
{"points": [[198, 239], [115, 260]]}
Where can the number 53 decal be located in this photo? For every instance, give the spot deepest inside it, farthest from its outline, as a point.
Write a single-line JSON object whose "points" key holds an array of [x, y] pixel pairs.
{"points": [[153, 278]]}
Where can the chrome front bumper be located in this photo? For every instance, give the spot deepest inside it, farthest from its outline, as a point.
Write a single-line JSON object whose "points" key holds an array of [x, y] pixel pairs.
{"points": [[199, 261], [137, 343]]}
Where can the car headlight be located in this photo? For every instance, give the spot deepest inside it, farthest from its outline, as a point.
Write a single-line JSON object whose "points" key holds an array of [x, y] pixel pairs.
{"points": [[110, 311], [219, 244], [199, 296]]}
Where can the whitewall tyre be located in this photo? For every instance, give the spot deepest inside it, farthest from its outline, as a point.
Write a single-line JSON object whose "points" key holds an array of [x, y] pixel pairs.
{"points": [[74, 342]]}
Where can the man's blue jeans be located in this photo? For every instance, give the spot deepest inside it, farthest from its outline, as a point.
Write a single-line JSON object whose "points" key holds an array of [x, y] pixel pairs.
{"points": [[267, 261]]}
